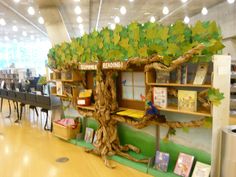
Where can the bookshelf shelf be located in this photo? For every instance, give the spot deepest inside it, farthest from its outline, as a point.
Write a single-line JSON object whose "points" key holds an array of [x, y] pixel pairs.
{"points": [[179, 85], [174, 109], [91, 107]]}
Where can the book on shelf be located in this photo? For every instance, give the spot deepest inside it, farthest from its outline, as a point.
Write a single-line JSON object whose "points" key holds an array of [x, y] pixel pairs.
{"points": [[162, 77], [160, 96], [178, 75], [201, 73], [88, 137], [187, 100], [184, 74], [95, 138], [162, 161], [59, 88], [201, 170], [184, 164]]}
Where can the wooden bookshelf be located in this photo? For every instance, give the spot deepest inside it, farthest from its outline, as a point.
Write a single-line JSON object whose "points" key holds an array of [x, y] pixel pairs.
{"points": [[179, 85], [200, 112]]}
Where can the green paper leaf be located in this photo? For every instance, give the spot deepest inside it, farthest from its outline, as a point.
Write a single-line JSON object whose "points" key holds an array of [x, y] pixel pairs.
{"points": [[143, 51], [215, 96], [124, 43], [208, 122]]}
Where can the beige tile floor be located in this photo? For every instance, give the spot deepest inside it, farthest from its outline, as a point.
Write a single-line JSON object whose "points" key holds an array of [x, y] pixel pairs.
{"points": [[26, 150]]}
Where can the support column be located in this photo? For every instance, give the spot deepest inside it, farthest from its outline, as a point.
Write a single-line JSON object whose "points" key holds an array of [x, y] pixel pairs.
{"points": [[220, 114]]}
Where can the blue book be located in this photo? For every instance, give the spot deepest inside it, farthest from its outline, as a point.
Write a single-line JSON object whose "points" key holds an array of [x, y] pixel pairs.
{"points": [[162, 161]]}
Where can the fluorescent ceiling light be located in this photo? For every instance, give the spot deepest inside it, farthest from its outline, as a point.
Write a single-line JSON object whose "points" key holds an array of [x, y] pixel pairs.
{"points": [[2, 22], [81, 26], [41, 20], [117, 19], [152, 19], [16, 1], [123, 10], [24, 33], [77, 10], [79, 19], [231, 1], [113, 26], [204, 11], [31, 10], [165, 10], [6, 38], [14, 28], [186, 20]]}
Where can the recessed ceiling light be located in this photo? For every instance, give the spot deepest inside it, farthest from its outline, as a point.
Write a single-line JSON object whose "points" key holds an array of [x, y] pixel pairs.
{"points": [[79, 19], [152, 19], [117, 19], [41, 20], [183, 1], [32, 37], [165, 10], [77, 0], [186, 19], [204, 11], [123, 10], [14, 28], [113, 26], [24, 33], [77, 10], [131, 0], [16, 1], [231, 1], [81, 26], [31, 10], [2, 22], [6, 38]]}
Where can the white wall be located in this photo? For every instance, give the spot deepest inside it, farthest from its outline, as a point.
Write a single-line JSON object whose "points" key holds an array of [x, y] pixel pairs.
{"points": [[225, 16]]}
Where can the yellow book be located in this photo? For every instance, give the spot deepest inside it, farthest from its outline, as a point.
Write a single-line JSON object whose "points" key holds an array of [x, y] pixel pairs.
{"points": [[85, 93], [187, 100]]}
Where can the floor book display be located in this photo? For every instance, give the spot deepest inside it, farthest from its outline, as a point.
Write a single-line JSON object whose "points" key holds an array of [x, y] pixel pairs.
{"points": [[140, 90]]}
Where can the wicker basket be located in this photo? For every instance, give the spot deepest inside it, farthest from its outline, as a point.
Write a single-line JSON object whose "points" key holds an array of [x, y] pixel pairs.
{"points": [[65, 133]]}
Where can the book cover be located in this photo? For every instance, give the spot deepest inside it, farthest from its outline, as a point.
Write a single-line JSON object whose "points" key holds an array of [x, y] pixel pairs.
{"points": [[184, 74], [183, 165], [201, 170], [178, 75], [160, 96], [162, 77], [162, 161], [88, 137], [59, 88], [187, 100], [201, 73]]}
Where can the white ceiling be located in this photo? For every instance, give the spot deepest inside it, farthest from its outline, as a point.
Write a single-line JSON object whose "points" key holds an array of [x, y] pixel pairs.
{"points": [[138, 10]]}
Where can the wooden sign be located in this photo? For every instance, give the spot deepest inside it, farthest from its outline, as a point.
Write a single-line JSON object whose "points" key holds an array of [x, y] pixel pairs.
{"points": [[88, 66], [112, 65]]}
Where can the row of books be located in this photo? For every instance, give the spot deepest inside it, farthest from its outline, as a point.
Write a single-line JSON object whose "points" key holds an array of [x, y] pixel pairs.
{"points": [[187, 99], [184, 165], [181, 75], [90, 135]]}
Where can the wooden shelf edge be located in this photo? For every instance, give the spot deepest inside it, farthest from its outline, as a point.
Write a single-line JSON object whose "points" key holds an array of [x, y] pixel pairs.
{"points": [[180, 85], [91, 107], [175, 110]]}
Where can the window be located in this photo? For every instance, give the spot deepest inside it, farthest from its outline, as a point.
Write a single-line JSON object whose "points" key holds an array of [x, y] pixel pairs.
{"points": [[133, 85]]}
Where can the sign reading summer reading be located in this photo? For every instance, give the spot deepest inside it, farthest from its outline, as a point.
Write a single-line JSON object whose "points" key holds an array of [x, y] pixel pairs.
{"points": [[112, 65], [88, 66]]}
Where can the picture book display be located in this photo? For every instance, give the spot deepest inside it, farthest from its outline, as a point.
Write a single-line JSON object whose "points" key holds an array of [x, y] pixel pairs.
{"points": [[187, 100], [162, 161], [88, 137], [184, 164], [160, 96], [201, 170], [201, 73], [162, 77]]}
